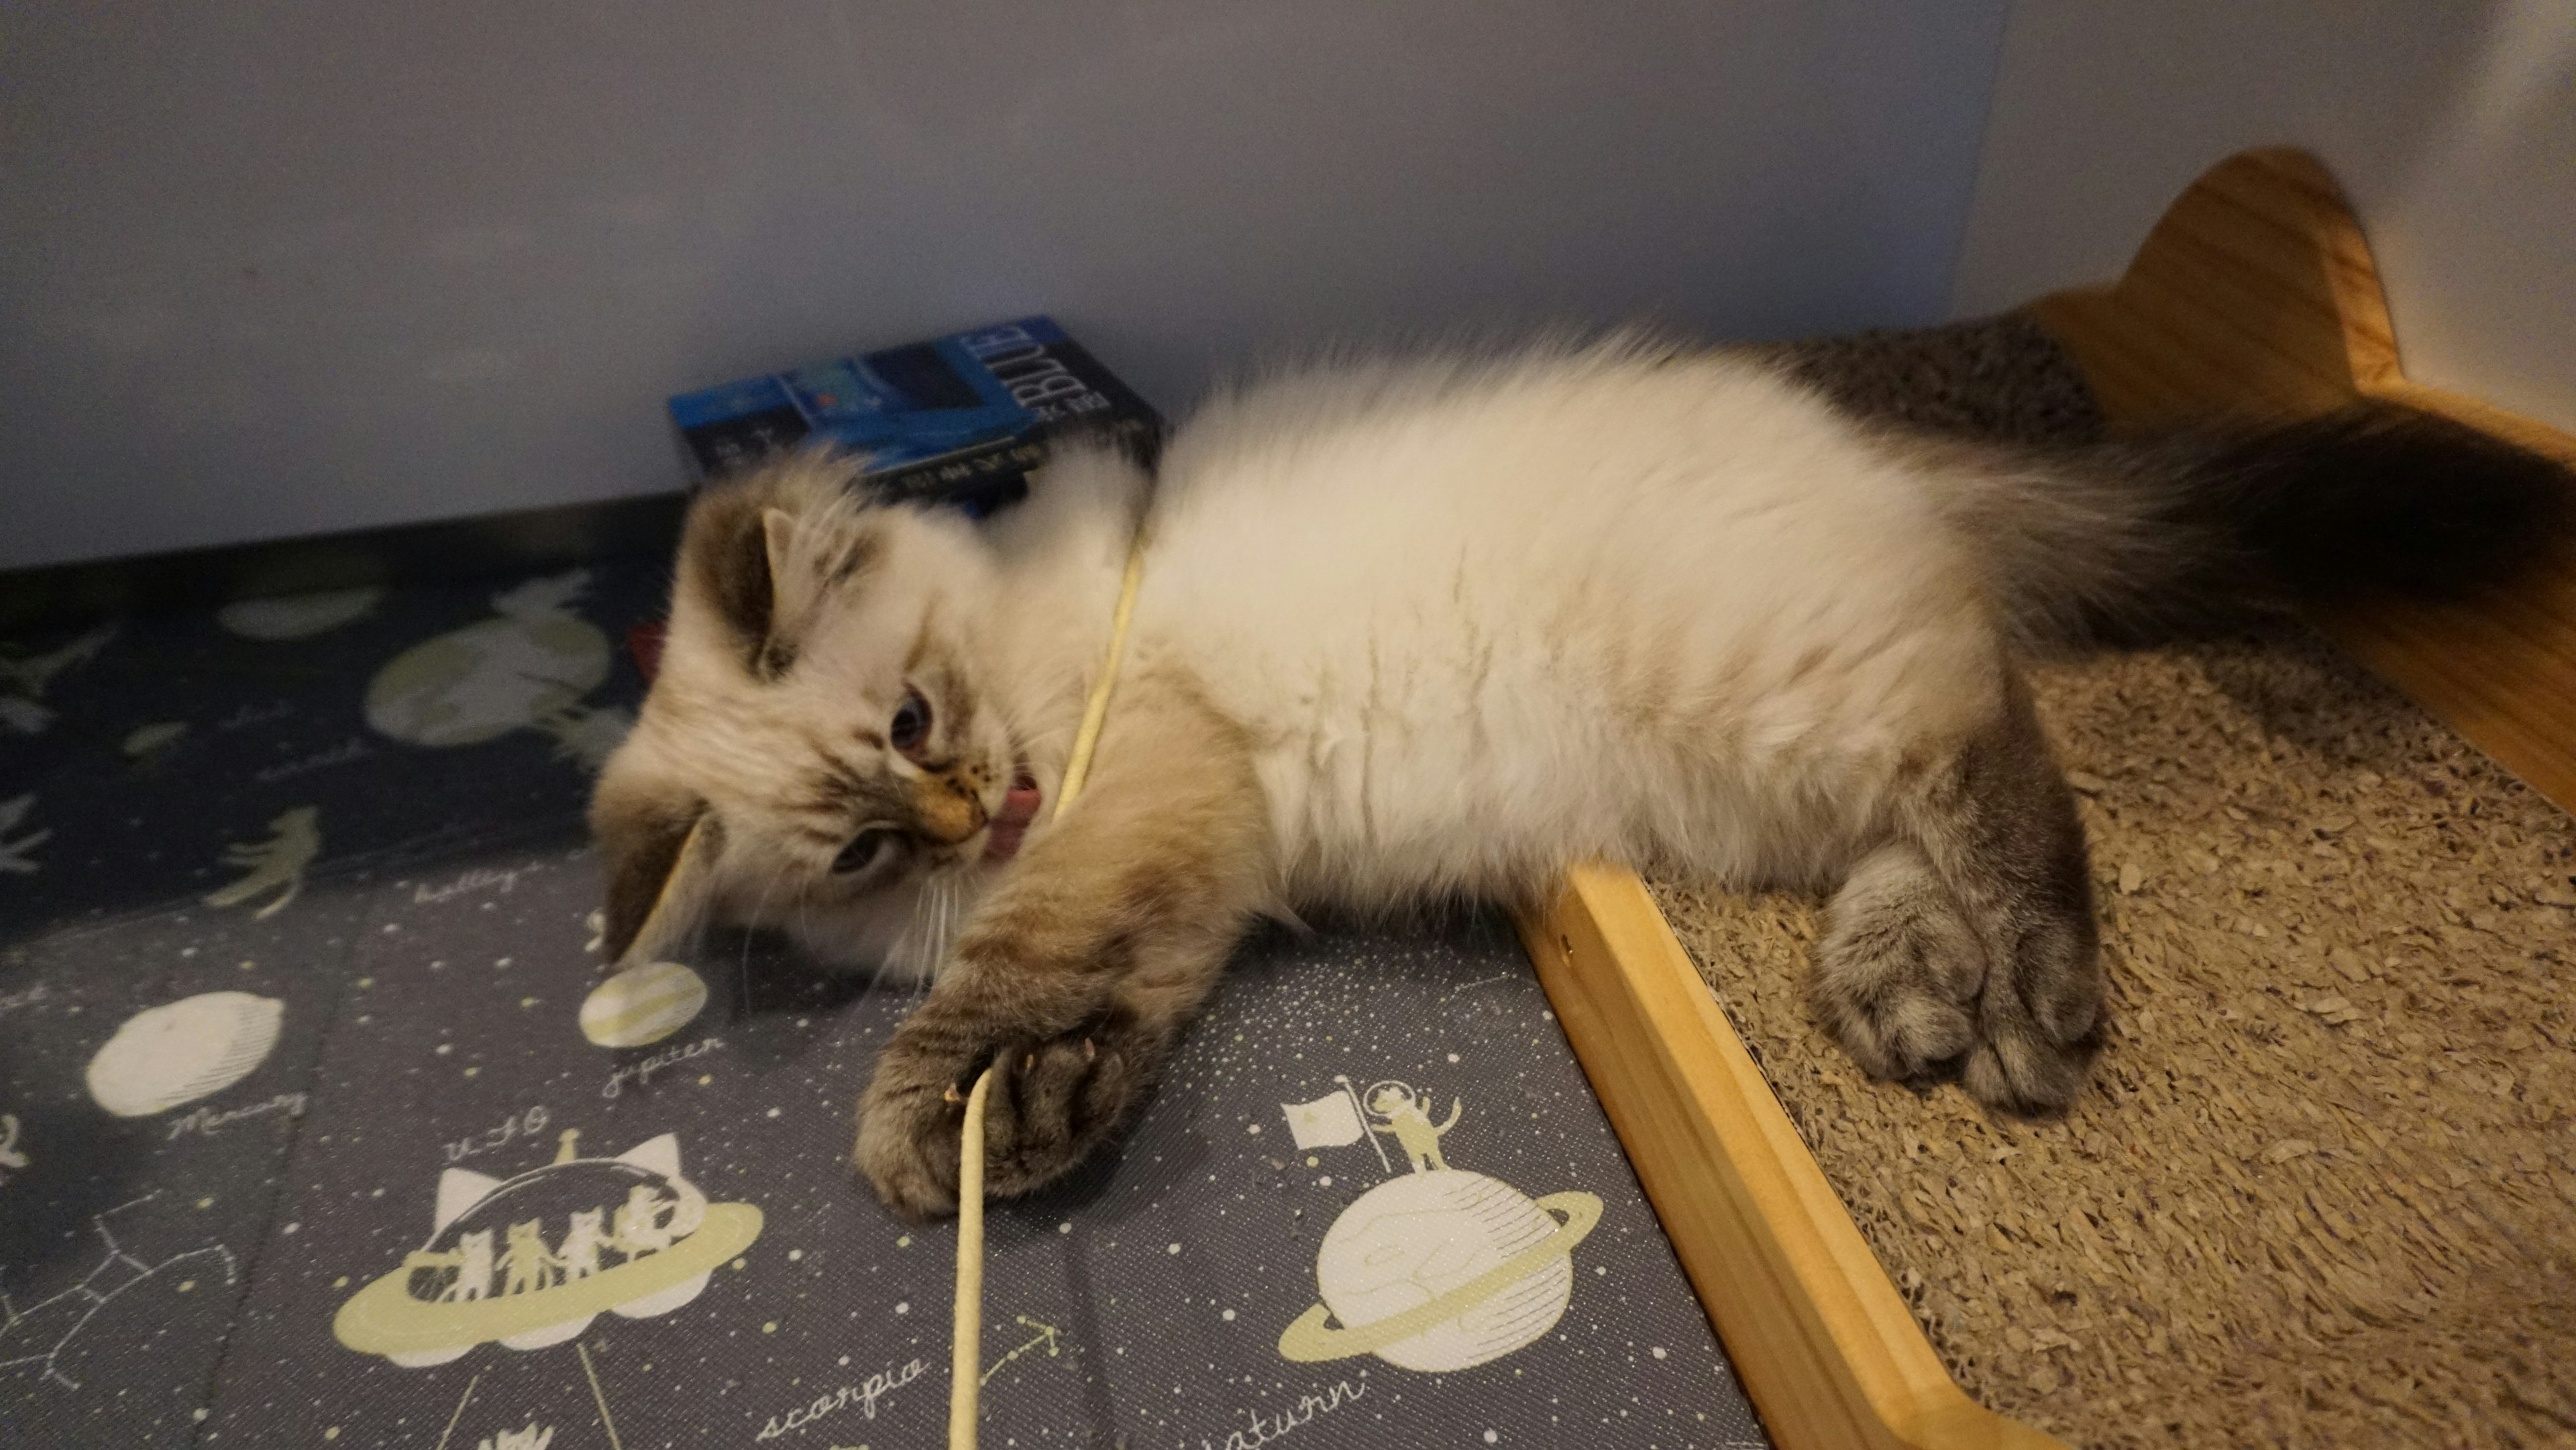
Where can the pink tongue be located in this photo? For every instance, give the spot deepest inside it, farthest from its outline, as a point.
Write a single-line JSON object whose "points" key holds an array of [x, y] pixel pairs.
{"points": [[1019, 807]]}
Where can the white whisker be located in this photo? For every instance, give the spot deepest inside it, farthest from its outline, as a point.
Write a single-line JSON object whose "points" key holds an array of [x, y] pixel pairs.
{"points": [[759, 909]]}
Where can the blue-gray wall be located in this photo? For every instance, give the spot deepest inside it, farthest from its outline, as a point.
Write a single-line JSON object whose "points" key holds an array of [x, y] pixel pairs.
{"points": [[281, 267]]}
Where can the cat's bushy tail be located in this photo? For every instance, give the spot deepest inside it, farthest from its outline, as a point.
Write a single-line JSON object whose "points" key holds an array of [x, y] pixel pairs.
{"points": [[2130, 540]]}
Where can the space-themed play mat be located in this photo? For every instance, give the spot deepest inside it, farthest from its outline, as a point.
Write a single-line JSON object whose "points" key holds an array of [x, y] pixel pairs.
{"points": [[305, 1139]]}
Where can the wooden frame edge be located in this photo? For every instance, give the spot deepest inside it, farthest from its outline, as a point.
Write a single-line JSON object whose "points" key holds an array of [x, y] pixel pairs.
{"points": [[1825, 1346]]}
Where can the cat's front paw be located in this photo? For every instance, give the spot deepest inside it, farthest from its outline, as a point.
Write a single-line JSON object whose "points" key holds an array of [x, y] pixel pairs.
{"points": [[1052, 1102], [909, 1120]]}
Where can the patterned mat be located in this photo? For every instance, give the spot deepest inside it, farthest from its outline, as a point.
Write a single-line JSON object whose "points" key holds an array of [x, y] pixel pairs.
{"points": [[301, 1141]]}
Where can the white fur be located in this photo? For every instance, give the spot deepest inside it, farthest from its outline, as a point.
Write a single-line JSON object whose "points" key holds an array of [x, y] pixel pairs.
{"points": [[1483, 619]]}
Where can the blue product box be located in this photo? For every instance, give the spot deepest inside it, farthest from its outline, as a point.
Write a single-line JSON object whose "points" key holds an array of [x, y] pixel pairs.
{"points": [[959, 419]]}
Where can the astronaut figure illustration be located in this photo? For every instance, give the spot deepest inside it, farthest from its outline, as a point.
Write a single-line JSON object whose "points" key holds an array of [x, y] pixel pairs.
{"points": [[1411, 1127]]}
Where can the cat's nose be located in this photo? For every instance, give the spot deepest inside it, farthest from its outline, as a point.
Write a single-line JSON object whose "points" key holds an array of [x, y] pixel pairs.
{"points": [[949, 812]]}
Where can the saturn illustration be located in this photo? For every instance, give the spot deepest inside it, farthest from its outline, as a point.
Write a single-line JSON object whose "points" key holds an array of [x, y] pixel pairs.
{"points": [[1439, 1269], [531, 1260], [1442, 1271]]}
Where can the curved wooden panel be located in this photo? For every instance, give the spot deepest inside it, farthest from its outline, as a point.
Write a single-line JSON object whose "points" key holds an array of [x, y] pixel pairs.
{"points": [[2255, 294]]}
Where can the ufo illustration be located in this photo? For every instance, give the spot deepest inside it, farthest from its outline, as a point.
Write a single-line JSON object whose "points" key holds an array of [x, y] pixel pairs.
{"points": [[1437, 1270], [531, 1260]]}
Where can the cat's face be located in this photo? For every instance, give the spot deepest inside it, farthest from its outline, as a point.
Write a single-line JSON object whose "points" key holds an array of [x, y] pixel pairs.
{"points": [[585, 1222], [524, 1234], [817, 753]]}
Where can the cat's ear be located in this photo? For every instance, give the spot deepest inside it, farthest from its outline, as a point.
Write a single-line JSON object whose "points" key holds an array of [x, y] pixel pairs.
{"points": [[724, 565], [760, 555], [660, 847], [778, 549]]}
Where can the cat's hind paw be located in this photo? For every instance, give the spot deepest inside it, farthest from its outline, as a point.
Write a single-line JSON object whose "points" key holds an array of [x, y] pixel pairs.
{"points": [[2026, 1073], [1905, 985], [1898, 972]]}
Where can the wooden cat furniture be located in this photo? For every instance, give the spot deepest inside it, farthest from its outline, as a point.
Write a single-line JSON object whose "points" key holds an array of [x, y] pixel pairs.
{"points": [[2255, 295]]}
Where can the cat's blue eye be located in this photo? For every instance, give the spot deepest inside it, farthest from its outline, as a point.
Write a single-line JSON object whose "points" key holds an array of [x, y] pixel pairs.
{"points": [[866, 849], [911, 727]]}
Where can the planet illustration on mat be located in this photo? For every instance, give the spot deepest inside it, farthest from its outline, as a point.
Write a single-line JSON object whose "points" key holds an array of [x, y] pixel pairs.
{"points": [[181, 1051], [527, 1260], [527, 669], [1442, 1271], [145, 742], [642, 1005], [1437, 1270], [295, 616]]}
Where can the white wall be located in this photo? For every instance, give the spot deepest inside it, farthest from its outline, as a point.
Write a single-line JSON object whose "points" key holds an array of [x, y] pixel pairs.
{"points": [[281, 266], [2452, 127]]}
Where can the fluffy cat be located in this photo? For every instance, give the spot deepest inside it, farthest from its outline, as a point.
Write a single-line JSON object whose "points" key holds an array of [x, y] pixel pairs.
{"points": [[1417, 631]]}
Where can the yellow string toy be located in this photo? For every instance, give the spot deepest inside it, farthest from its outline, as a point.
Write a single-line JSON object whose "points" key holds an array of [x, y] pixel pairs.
{"points": [[966, 1329]]}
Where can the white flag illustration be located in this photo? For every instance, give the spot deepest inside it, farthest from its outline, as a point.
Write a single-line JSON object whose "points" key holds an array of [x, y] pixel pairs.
{"points": [[1328, 1122]]}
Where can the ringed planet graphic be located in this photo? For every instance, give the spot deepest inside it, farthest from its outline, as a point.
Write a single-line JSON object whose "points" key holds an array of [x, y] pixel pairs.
{"points": [[527, 1260], [1440, 1271], [642, 1005]]}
